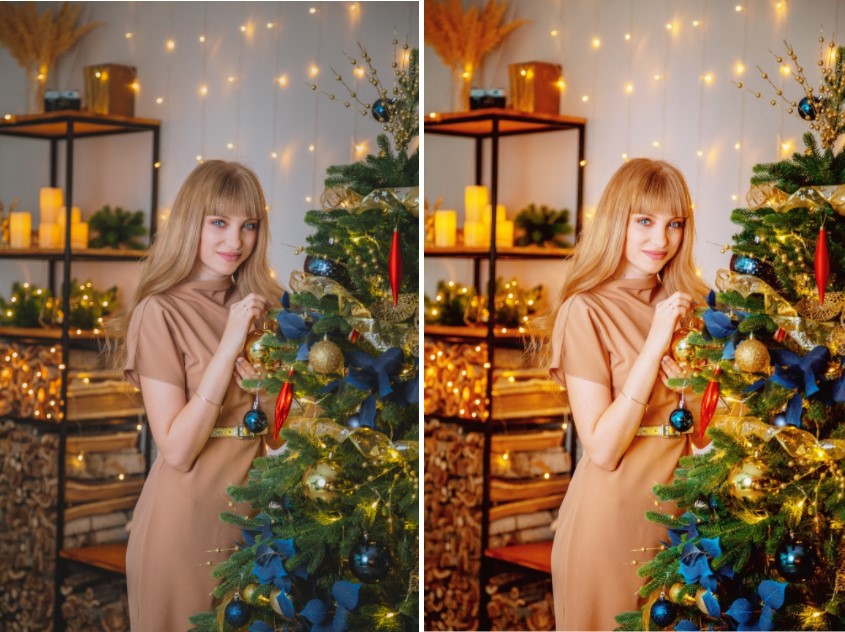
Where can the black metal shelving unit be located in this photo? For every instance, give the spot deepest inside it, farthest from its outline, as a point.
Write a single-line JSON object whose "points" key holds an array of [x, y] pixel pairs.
{"points": [[57, 128], [491, 126]]}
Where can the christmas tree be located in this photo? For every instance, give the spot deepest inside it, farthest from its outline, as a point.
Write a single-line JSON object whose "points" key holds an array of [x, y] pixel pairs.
{"points": [[332, 540], [759, 542]]}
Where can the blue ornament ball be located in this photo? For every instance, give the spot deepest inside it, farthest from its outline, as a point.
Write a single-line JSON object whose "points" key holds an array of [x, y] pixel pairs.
{"points": [[749, 265], [237, 613], [369, 562], [255, 420], [681, 419], [325, 268], [380, 111], [662, 612], [807, 109], [796, 561]]}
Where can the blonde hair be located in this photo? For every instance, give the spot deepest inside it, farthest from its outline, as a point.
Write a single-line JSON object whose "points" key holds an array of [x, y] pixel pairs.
{"points": [[215, 187], [641, 185]]}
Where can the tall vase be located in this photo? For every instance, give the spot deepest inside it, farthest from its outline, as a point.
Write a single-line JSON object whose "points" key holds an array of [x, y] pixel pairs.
{"points": [[461, 84], [35, 82]]}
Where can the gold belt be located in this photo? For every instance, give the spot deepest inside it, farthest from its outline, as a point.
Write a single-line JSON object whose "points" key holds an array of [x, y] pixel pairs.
{"points": [[663, 430], [237, 432]]}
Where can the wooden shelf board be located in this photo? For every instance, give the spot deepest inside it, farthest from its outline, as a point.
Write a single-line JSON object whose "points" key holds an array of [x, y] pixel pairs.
{"points": [[479, 123], [43, 333], [111, 557], [536, 556], [473, 332], [57, 254], [54, 125], [483, 252]]}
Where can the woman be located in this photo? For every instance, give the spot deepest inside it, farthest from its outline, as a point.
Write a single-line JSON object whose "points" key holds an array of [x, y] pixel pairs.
{"points": [[630, 282], [204, 283]]}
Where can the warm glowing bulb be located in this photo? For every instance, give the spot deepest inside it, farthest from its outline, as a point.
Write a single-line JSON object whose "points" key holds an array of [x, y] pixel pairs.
{"points": [[696, 22], [313, 71], [629, 88], [655, 143], [359, 72], [624, 156], [737, 146], [232, 79], [308, 198], [271, 25], [136, 87], [785, 70], [203, 90], [657, 77], [202, 39], [312, 10], [170, 45], [738, 8], [585, 98], [596, 42], [230, 145], [160, 100], [243, 28], [98, 74], [128, 35], [273, 154], [199, 157], [283, 80], [708, 78], [310, 147], [669, 26], [554, 33], [734, 197], [699, 153]]}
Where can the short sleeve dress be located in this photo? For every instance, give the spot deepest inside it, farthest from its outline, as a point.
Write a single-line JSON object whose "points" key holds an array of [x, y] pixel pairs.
{"points": [[602, 535], [176, 527]]}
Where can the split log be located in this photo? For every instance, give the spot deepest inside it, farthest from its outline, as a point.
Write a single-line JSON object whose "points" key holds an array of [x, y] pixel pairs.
{"points": [[95, 604]]}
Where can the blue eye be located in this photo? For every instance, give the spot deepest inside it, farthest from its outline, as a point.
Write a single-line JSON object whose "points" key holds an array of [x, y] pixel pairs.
{"points": [[251, 226], [644, 221], [677, 224], [218, 222]]}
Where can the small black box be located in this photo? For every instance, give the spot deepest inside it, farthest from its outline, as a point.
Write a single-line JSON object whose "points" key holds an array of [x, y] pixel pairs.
{"points": [[55, 100], [482, 98]]}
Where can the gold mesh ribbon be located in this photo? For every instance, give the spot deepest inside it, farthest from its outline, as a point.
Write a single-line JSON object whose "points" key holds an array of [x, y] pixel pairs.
{"points": [[356, 314], [372, 444], [796, 442], [806, 333], [385, 199], [813, 198]]}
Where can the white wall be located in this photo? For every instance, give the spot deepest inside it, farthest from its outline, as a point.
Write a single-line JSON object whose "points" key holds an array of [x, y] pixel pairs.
{"points": [[252, 112], [680, 111]]}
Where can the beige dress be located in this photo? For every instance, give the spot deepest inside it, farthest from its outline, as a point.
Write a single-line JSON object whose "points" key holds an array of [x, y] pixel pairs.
{"points": [[602, 535], [176, 524]]}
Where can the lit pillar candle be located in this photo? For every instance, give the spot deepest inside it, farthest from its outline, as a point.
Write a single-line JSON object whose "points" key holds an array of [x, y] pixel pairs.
{"points": [[504, 234], [500, 213], [475, 200], [49, 236], [20, 230], [445, 228], [79, 235], [75, 218], [51, 199], [476, 234]]}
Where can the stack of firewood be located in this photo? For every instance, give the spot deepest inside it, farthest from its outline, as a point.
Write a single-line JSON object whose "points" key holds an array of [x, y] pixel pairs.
{"points": [[453, 497], [30, 381], [104, 479], [94, 603], [28, 495], [520, 602]]}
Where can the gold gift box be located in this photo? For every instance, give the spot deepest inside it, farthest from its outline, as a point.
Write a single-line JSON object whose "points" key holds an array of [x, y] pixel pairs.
{"points": [[535, 87], [110, 89]]}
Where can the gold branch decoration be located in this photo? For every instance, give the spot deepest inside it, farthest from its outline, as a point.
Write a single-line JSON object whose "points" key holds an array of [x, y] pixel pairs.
{"points": [[463, 39], [36, 40]]}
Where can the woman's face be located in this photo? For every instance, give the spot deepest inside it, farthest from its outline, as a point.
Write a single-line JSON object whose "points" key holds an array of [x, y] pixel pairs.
{"points": [[225, 243], [651, 241]]}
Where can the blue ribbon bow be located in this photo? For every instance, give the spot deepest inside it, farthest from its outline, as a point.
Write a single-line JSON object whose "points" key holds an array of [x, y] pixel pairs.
{"points": [[373, 374], [794, 371]]}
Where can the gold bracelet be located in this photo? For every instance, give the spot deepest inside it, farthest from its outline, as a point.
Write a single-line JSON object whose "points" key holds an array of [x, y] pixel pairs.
{"points": [[644, 405], [208, 401]]}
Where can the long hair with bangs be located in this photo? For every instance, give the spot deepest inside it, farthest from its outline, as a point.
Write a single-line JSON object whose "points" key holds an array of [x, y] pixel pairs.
{"points": [[215, 187], [641, 185]]}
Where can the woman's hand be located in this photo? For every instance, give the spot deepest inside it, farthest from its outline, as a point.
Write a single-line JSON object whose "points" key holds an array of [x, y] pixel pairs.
{"points": [[245, 371], [669, 369], [667, 314], [241, 316]]}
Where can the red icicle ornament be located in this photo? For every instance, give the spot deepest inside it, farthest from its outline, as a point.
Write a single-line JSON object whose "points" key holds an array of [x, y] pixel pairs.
{"points": [[822, 263], [395, 266], [708, 403], [283, 403]]}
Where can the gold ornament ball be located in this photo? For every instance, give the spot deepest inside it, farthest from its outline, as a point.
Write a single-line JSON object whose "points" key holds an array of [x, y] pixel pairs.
{"points": [[699, 600], [749, 480], [675, 595], [248, 594], [254, 349], [680, 346], [320, 481], [274, 603], [836, 340], [325, 357], [752, 356]]}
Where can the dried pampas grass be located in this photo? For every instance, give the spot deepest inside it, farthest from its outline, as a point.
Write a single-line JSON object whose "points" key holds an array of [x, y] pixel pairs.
{"points": [[36, 40], [463, 39]]}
